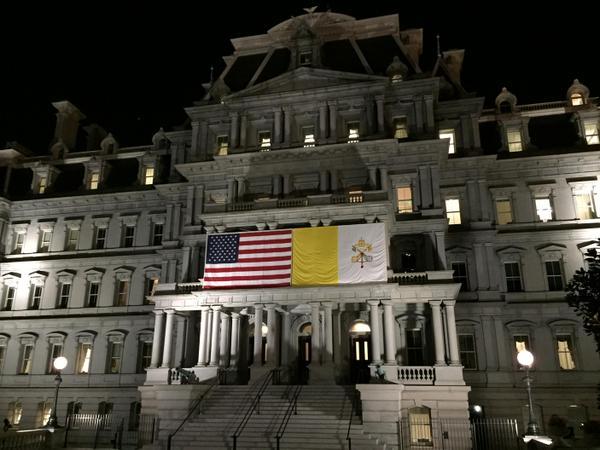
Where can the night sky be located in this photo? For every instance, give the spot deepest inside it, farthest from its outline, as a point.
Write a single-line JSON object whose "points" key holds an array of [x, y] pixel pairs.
{"points": [[134, 68]]}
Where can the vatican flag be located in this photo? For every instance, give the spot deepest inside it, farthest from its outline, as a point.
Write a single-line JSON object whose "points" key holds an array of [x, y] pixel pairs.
{"points": [[347, 254]]}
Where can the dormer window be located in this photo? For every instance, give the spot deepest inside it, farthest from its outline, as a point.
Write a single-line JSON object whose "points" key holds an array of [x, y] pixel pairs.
{"points": [[449, 134], [308, 134], [400, 127], [42, 185], [222, 145], [591, 131], [577, 99], [306, 58], [149, 175], [514, 140], [94, 181], [264, 140], [353, 132]]}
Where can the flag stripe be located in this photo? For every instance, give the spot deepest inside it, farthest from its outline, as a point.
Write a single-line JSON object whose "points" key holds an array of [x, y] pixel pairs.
{"points": [[247, 269], [252, 251], [265, 241], [249, 277], [262, 234], [269, 259]]}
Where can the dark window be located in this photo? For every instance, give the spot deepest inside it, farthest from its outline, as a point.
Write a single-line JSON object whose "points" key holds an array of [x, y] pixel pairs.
{"points": [[513, 277], [100, 239], [157, 234], [9, 298], [128, 236], [468, 355], [63, 298], [414, 347], [554, 275], [93, 292], [460, 275]]}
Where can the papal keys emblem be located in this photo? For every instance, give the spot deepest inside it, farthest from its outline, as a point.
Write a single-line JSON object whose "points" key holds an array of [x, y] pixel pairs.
{"points": [[361, 248]]}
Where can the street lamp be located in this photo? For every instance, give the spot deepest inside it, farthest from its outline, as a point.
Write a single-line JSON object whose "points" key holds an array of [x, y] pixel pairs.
{"points": [[532, 433], [59, 364]]}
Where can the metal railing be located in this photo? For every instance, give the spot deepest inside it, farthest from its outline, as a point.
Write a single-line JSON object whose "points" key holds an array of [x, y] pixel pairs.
{"points": [[292, 408], [355, 407], [191, 411], [107, 429], [25, 440], [254, 405]]}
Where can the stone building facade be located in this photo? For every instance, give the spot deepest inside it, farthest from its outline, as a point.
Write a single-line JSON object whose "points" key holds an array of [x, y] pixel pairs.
{"points": [[324, 120]]}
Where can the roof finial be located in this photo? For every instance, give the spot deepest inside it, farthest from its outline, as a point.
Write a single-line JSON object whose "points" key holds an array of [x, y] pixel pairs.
{"points": [[311, 9], [439, 53]]}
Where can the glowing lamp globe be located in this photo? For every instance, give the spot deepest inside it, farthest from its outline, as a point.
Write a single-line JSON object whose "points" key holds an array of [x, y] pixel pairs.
{"points": [[525, 358], [60, 363]]}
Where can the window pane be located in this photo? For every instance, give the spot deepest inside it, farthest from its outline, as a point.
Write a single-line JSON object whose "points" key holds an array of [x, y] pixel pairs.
{"points": [[404, 196], [591, 132], [264, 141], [449, 134], [460, 275], [400, 128], [222, 145], [514, 141], [565, 352], [584, 206], [513, 277], [149, 175], [353, 132], [554, 275], [543, 208], [308, 136], [468, 356], [453, 211], [504, 211]]}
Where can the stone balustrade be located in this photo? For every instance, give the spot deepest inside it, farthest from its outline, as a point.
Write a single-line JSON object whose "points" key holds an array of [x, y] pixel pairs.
{"points": [[416, 375]]}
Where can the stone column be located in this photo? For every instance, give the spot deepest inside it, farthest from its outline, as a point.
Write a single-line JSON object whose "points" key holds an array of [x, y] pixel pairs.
{"points": [[390, 332], [287, 126], [438, 332], [452, 336], [323, 181], [322, 121], [373, 177], [271, 335], [241, 189], [380, 123], [332, 122], [231, 190], [235, 336], [258, 319], [203, 336], [328, 334], [157, 340], [233, 130], [383, 174], [316, 333], [181, 344], [168, 347], [224, 344], [276, 185], [277, 126], [375, 327], [333, 181], [286, 184], [214, 340], [243, 131], [285, 338]]}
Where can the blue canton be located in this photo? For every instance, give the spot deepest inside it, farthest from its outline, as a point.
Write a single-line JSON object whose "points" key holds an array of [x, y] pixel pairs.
{"points": [[223, 248]]}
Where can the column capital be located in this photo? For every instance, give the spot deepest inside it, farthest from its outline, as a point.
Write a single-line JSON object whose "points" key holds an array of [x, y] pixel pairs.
{"points": [[270, 306], [374, 302], [435, 303], [158, 312], [169, 312], [328, 305], [216, 307], [387, 302], [204, 308], [235, 316], [449, 303], [258, 306]]}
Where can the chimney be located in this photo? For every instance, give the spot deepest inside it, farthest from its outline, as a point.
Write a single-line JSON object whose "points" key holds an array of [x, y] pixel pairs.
{"points": [[454, 61], [67, 123], [95, 135]]}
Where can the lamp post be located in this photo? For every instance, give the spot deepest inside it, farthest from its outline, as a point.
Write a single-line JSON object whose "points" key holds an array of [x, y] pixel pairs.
{"points": [[59, 364], [532, 433]]}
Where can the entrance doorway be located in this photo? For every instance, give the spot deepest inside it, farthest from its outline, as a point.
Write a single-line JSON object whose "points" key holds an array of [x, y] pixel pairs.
{"points": [[360, 352], [304, 353]]}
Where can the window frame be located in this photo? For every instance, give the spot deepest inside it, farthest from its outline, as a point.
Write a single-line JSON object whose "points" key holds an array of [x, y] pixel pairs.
{"points": [[64, 295], [264, 139], [100, 236], [404, 201], [465, 286], [156, 241], [128, 240], [9, 295], [26, 353], [45, 240], [18, 243], [222, 145], [473, 351], [82, 358], [452, 221], [353, 136], [72, 239], [540, 198], [94, 180], [115, 341], [500, 214], [449, 133], [571, 352], [149, 174], [400, 124], [512, 278], [307, 140], [513, 144], [36, 296], [591, 131]]}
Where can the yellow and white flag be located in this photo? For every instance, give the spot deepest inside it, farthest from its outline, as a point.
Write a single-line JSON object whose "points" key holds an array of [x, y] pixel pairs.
{"points": [[346, 254]]}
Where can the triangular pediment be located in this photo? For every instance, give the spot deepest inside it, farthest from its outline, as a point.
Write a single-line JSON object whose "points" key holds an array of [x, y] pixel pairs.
{"points": [[304, 78]]}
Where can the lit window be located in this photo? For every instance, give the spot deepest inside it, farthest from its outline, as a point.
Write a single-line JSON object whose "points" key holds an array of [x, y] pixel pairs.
{"points": [[503, 211], [449, 134], [414, 347], [26, 359], [18, 244], [353, 132], [93, 294], [468, 355], [565, 352], [554, 275], [122, 293], [149, 289], [84, 357], [9, 298], [94, 181], [128, 235], [591, 131], [460, 275], [404, 197], [149, 175], [100, 238], [453, 211], [543, 208], [45, 240], [355, 197], [305, 58], [584, 205], [144, 355], [72, 238], [115, 356], [419, 420], [264, 141], [514, 139], [157, 234], [44, 413], [56, 350], [576, 99], [400, 128], [308, 134], [36, 297], [521, 342], [42, 185], [15, 412], [512, 271], [63, 297], [222, 145]]}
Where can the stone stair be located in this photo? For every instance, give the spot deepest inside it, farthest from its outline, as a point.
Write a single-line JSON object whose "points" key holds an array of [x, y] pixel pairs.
{"points": [[321, 421]]}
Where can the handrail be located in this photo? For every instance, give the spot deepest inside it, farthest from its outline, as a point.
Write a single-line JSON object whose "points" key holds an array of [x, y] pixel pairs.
{"points": [[255, 404], [355, 400], [191, 411], [293, 406]]}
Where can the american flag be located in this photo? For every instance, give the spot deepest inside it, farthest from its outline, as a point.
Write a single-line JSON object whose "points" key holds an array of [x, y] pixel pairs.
{"points": [[254, 259]]}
